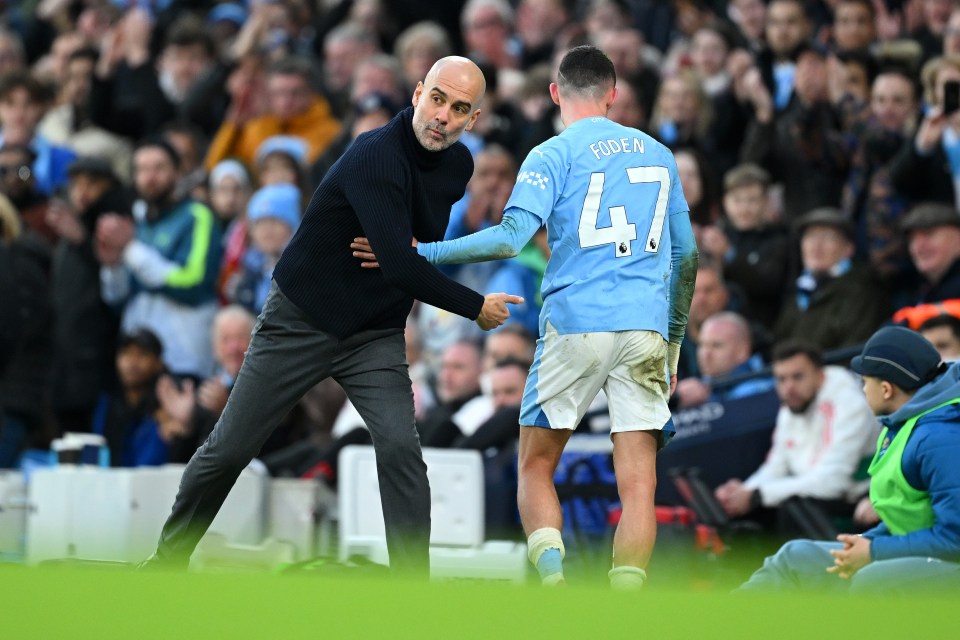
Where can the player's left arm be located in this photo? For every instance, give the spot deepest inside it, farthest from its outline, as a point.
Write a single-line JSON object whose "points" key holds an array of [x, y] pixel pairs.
{"points": [[684, 258], [504, 240]]}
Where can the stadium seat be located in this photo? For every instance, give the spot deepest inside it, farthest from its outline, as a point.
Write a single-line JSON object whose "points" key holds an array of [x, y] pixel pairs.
{"points": [[13, 515], [78, 511], [458, 549]]}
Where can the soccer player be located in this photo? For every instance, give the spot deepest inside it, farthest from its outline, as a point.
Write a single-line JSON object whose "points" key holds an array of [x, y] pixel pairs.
{"points": [[616, 294]]}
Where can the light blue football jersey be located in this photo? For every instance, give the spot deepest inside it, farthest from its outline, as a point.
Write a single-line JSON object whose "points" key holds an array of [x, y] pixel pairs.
{"points": [[604, 192]]}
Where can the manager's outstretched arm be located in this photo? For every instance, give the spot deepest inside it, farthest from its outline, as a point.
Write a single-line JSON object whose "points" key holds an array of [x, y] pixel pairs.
{"points": [[684, 259]]}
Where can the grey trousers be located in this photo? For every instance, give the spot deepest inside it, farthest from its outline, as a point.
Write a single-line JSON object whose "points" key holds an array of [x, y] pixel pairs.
{"points": [[287, 356]]}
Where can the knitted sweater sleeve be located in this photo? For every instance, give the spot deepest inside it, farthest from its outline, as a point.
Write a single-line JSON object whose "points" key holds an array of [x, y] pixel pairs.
{"points": [[380, 199]]}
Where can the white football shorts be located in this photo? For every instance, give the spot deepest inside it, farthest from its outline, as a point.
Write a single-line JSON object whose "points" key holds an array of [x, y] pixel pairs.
{"points": [[569, 370]]}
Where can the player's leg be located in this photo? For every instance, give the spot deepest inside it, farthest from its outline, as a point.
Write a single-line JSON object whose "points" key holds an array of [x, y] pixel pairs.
{"points": [[540, 513], [637, 392], [634, 461], [286, 357], [374, 374], [565, 377]]}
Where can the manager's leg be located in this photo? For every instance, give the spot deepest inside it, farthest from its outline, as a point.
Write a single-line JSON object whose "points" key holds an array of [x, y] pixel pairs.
{"points": [[286, 357], [374, 375], [540, 513], [634, 462]]}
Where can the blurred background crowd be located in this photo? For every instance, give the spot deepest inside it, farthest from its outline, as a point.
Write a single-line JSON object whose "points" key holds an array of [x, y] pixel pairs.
{"points": [[156, 157]]}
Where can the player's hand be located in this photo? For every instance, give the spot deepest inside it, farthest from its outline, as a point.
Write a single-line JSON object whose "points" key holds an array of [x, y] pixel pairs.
{"points": [[362, 249], [495, 312]]}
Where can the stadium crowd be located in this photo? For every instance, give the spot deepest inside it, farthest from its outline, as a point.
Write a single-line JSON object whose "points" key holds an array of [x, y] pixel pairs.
{"points": [[156, 158]]}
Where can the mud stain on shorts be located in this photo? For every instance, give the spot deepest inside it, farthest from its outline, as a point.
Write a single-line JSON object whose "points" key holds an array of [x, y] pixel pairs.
{"points": [[651, 374]]}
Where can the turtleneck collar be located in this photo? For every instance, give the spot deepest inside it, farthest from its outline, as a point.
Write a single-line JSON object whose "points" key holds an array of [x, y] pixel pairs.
{"points": [[424, 158]]}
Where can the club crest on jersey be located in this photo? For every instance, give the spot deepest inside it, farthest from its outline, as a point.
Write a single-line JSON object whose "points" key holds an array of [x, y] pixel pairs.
{"points": [[533, 178]]}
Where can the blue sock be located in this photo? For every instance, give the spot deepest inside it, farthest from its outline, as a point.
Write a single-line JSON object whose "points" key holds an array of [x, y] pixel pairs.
{"points": [[550, 562]]}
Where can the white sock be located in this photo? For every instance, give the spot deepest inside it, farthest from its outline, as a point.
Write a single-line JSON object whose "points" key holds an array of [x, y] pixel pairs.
{"points": [[627, 578], [539, 543]]}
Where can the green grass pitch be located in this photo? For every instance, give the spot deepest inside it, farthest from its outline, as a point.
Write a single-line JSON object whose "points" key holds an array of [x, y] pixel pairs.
{"points": [[105, 603]]}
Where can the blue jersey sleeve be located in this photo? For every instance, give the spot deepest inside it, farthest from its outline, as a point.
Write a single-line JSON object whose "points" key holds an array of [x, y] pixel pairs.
{"points": [[539, 183], [677, 202], [494, 243], [684, 259]]}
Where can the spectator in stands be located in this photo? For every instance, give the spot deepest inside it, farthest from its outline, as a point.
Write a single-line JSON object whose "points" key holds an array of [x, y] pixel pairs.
{"points": [[824, 431], [230, 189], [19, 184], [835, 301], [754, 252], [189, 143], [273, 216], [711, 295], [928, 164], [12, 55], [163, 265], [951, 35], [85, 328], [787, 28], [943, 332], [129, 416], [854, 24], [293, 108], [10, 229], [539, 24], [69, 123], [869, 197], [933, 239], [633, 60], [698, 181], [133, 95], [500, 430], [509, 342], [418, 47], [461, 407], [194, 409], [282, 159], [801, 146], [914, 486], [487, 27], [724, 350], [628, 109], [382, 74], [749, 17], [682, 116], [933, 15], [23, 101], [229, 193], [24, 383], [344, 48]]}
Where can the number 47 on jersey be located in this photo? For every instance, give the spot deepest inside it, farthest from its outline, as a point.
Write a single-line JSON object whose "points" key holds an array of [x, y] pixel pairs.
{"points": [[621, 233]]}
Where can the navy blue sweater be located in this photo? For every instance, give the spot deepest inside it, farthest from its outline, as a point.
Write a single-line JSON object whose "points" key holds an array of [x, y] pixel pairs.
{"points": [[390, 189]]}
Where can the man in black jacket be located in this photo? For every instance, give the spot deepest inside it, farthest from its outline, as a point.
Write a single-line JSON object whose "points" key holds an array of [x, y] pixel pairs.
{"points": [[85, 328], [328, 317]]}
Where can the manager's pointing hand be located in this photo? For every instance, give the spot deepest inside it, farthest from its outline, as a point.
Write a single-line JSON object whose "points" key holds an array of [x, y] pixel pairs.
{"points": [[495, 312]]}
